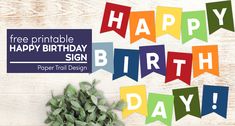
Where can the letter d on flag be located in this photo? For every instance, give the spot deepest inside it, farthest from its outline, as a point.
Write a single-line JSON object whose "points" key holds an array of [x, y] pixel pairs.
{"points": [[136, 99]]}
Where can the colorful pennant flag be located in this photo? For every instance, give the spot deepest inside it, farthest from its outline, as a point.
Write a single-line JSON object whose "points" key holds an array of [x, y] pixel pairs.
{"points": [[136, 99], [215, 99], [160, 108], [194, 26], [142, 25], [102, 56], [186, 101], [205, 59], [220, 15], [152, 59], [179, 66], [115, 18], [168, 21], [126, 62]]}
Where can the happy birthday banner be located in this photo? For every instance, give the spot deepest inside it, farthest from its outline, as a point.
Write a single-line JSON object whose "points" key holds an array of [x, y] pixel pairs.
{"points": [[177, 65], [169, 20]]}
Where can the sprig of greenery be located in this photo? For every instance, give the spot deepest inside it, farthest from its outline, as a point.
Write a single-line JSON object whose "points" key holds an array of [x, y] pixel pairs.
{"points": [[85, 107]]}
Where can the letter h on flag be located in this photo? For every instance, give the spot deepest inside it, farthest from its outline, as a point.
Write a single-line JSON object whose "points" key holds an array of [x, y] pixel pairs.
{"points": [[115, 18]]}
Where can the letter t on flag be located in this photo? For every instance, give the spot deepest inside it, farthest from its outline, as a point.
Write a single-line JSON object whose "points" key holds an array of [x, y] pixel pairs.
{"points": [[179, 66], [115, 18]]}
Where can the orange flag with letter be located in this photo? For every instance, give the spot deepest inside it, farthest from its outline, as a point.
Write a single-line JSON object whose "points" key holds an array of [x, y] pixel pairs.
{"points": [[142, 25], [205, 59]]}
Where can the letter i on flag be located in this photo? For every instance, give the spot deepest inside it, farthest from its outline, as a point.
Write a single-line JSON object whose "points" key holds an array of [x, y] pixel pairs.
{"points": [[215, 99], [102, 56], [205, 59], [220, 15], [126, 62], [136, 99], [168, 21], [179, 66], [152, 59], [160, 108], [186, 101], [115, 18], [142, 25], [194, 26]]}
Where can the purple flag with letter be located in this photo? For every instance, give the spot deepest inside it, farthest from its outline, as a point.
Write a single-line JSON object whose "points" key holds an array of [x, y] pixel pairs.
{"points": [[152, 59]]}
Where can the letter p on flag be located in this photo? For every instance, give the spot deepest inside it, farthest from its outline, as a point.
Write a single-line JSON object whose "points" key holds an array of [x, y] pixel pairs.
{"points": [[205, 59], [136, 99], [115, 18]]}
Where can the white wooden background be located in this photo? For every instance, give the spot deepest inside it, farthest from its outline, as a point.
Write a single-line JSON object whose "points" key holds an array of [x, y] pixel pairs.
{"points": [[23, 96]]}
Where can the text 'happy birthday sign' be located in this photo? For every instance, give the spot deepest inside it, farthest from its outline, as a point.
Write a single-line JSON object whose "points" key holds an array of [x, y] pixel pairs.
{"points": [[49, 50]]}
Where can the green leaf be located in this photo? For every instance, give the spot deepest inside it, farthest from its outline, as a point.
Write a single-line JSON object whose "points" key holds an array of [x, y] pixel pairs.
{"points": [[80, 123], [94, 99], [75, 104], [53, 102], [48, 120], [51, 117], [82, 113], [57, 111], [56, 123], [95, 82], [118, 123], [120, 105], [70, 90], [69, 124], [75, 108], [99, 94], [91, 109], [84, 86], [91, 117], [70, 118], [102, 118], [61, 104], [82, 97], [102, 108], [87, 106], [59, 119], [91, 91], [102, 101], [93, 124]]}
